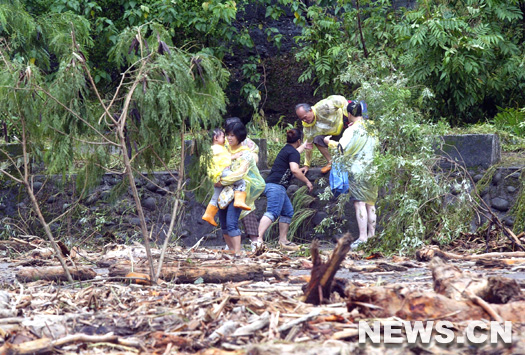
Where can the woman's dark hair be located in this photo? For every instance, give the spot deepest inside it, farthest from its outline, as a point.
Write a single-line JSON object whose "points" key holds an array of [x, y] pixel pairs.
{"points": [[293, 135], [238, 130], [216, 133], [354, 108], [231, 120]]}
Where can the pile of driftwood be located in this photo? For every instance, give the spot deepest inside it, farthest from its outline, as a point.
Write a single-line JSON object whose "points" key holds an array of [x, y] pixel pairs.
{"points": [[211, 302]]}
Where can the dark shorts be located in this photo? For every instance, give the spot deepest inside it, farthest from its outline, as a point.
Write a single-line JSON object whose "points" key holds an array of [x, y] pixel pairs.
{"points": [[319, 140]]}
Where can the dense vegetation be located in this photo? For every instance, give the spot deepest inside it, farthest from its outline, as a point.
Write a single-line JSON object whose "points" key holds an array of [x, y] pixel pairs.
{"points": [[138, 74], [469, 54]]}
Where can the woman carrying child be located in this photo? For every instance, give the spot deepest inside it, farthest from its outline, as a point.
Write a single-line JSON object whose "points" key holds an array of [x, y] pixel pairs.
{"points": [[220, 167], [245, 168]]}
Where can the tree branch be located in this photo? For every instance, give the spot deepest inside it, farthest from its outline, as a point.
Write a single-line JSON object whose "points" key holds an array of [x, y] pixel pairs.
{"points": [[365, 52]]}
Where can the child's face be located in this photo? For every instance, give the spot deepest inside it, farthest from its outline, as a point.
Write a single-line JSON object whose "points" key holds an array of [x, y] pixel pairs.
{"points": [[219, 139]]}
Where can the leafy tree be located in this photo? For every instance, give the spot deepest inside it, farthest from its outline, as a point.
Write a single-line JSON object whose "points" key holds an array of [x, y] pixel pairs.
{"points": [[470, 54], [340, 33], [416, 199], [164, 93], [466, 52]]}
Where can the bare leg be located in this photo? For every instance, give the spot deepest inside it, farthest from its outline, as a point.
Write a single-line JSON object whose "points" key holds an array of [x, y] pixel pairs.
{"points": [[371, 222], [283, 231], [228, 241], [264, 224], [236, 243], [325, 152], [361, 216]]}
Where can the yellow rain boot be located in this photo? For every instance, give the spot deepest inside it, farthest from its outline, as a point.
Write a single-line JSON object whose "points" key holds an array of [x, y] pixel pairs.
{"points": [[209, 215], [240, 201]]}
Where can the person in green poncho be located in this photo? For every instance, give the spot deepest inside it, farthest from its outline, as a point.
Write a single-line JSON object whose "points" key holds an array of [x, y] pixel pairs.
{"points": [[320, 120], [244, 167], [358, 145]]}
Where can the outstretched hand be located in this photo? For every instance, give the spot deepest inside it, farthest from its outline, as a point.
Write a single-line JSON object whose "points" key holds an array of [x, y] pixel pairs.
{"points": [[310, 186], [302, 147]]}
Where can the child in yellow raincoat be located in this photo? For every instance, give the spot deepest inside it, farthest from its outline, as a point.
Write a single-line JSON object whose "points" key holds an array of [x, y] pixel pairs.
{"points": [[220, 167]]}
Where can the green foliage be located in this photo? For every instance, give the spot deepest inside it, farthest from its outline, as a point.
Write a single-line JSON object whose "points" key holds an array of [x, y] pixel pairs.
{"points": [[249, 90], [89, 174], [511, 120], [302, 214], [416, 198], [518, 210], [332, 39], [469, 54], [176, 91], [323, 49], [176, 87], [336, 212], [466, 52]]}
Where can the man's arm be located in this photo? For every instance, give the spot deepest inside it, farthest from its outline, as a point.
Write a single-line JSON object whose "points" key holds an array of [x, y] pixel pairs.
{"points": [[307, 158]]}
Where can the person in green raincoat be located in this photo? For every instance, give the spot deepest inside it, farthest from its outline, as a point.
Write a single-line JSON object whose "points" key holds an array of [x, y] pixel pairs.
{"points": [[320, 120], [244, 167], [358, 145]]}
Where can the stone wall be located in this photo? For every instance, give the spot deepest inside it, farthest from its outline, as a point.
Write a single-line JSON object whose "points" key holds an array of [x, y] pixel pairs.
{"points": [[118, 221], [99, 218], [501, 193]]}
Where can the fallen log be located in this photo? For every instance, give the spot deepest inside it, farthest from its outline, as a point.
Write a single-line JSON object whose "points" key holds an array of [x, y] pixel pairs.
{"points": [[429, 252], [450, 281], [499, 263], [320, 285], [219, 273], [384, 302], [46, 345], [54, 273], [16, 245]]}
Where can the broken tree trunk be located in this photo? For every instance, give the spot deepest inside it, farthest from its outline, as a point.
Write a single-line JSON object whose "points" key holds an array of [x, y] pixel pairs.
{"points": [[499, 263], [384, 302], [427, 253], [320, 284], [54, 273], [450, 281], [189, 274], [46, 345], [458, 297]]}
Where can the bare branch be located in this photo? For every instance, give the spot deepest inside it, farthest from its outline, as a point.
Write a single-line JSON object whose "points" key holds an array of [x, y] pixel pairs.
{"points": [[177, 199]]}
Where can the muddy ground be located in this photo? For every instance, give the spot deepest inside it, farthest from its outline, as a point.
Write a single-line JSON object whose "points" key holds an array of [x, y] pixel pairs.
{"points": [[260, 311]]}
